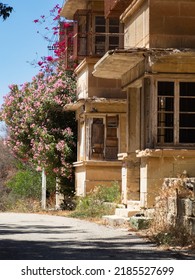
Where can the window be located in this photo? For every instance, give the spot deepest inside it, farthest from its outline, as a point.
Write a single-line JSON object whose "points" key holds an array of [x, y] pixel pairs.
{"points": [[187, 112], [95, 35], [176, 112], [165, 112], [106, 34], [102, 135]]}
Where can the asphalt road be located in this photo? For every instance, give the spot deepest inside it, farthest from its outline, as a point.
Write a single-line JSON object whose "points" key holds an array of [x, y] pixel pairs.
{"points": [[45, 237]]}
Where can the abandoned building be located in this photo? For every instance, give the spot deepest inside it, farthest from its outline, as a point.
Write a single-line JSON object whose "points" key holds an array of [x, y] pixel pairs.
{"points": [[135, 93]]}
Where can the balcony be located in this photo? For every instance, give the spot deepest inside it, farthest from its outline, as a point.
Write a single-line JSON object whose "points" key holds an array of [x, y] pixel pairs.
{"points": [[114, 8]]}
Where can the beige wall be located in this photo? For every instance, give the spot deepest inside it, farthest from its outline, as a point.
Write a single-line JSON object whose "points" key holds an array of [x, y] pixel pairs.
{"points": [[90, 86], [160, 24], [155, 169], [136, 28], [172, 23], [80, 179], [92, 174]]}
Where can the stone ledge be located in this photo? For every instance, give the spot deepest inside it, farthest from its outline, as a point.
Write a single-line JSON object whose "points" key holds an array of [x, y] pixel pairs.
{"points": [[114, 220]]}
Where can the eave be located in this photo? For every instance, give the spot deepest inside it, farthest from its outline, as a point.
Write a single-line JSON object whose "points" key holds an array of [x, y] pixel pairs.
{"points": [[160, 153], [71, 6], [94, 100], [115, 64]]}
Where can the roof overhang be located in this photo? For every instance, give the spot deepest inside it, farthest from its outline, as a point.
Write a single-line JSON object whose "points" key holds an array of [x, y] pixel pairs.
{"points": [[114, 64], [71, 6], [94, 100]]}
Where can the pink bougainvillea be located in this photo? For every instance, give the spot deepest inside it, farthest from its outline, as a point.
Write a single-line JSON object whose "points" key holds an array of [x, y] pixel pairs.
{"points": [[59, 34]]}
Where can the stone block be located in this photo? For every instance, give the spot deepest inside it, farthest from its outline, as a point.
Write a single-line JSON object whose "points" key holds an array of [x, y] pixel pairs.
{"points": [[114, 220], [149, 213], [172, 205], [125, 212], [171, 218], [191, 225], [193, 208], [139, 222], [185, 207]]}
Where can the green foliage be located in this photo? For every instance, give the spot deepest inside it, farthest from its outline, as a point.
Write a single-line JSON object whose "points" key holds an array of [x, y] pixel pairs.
{"points": [[5, 11], [101, 201], [109, 194], [26, 183]]}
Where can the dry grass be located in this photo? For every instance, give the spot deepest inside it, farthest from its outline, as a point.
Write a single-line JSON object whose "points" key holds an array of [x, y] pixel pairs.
{"points": [[163, 230]]}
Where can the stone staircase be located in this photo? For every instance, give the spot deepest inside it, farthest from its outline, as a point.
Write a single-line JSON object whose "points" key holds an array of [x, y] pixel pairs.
{"points": [[131, 214], [122, 213]]}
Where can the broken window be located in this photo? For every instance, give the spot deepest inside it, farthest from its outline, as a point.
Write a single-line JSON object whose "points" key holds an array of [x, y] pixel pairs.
{"points": [[176, 112], [102, 136]]}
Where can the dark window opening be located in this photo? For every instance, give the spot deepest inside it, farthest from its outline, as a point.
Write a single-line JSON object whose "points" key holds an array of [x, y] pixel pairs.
{"points": [[187, 112]]}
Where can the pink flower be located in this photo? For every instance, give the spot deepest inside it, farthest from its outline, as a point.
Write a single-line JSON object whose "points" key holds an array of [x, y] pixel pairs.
{"points": [[39, 168], [49, 58], [66, 24], [40, 63]]}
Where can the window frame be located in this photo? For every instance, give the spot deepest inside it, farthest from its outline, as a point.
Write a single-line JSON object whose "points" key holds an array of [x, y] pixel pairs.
{"points": [[89, 123], [176, 113], [106, 46]]}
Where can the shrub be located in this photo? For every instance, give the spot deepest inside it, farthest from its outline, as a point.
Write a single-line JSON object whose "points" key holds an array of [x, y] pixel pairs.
{"points": [[26, 184], [94, 206], [109, 194]]}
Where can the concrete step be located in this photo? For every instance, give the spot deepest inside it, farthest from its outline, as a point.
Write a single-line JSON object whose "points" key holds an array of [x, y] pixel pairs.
{"points": [[114, 220], [125, 212], [133, 205]]}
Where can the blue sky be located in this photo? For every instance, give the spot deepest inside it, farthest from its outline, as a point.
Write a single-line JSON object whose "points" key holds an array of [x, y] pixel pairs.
{"points": [[20, 42]]}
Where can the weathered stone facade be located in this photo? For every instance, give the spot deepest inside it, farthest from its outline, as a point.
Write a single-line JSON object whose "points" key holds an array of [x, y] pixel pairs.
{"points": [[147, 83], [156, 68], [101, 104]]}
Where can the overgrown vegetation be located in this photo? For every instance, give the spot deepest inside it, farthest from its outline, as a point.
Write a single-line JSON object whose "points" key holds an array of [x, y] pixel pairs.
{"points": [[22, 192], [101, 201], [20, 184], [165, 229]]}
